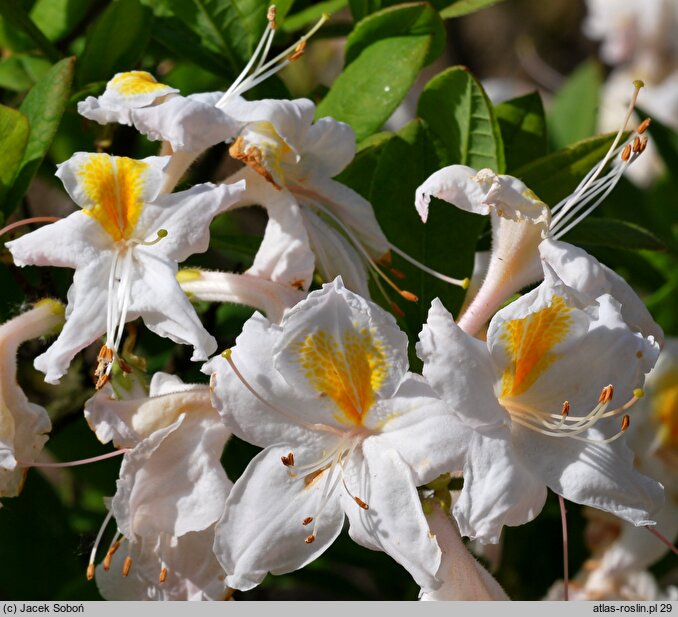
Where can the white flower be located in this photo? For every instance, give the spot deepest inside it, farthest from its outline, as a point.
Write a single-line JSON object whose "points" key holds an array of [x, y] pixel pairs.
{"points": [[124, 245], [541, 414], [23, 425], [171, 480], [520, 220], [346, 431]]}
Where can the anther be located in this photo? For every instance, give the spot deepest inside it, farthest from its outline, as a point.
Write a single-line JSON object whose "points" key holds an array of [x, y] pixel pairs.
{"points": [[160, 234], [90, 571], [288, 460], [626, 421], [643, 126], [397, 311], [638, 84], [126, 566], [163, 575], [626, 153], [298, 51], [361, 503], [109, 555], [643, 144], [310, 539], [397, 273], [566, 409], [226, 354], [408, 295], [636, 144], [307, 521], [270, 16], [606, 394], [639, 393]]}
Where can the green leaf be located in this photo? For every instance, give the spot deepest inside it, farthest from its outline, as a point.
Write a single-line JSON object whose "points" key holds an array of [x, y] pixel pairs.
{"points": [[614, 233], [555, 176], [445, 243], [14, 130], [15, 15], [574, 111], [58, 18], [362, 8], [523, 129], [408, 19], [19, 72], [44, 106], [104, 54], [465, 7], [666, 140], [461, 118], [370, 88], [312, 14], [360, 173]]}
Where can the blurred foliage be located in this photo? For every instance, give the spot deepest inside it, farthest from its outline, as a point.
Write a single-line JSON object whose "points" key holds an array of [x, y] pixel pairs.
{"points": [[55, 52]]}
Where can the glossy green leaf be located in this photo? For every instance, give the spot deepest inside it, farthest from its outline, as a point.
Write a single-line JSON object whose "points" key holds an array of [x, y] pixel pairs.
{"points": [[14, 130], [104, 55], [379, 77], [311, 14], [614, 233], [445, 243], [44, 106], [465, 7], [360, 173], [58, 18], [20, 72], [555, 176], [462, 121], [15, 16], [523, 130], [410, 20], [666, 140], [574, 111]]}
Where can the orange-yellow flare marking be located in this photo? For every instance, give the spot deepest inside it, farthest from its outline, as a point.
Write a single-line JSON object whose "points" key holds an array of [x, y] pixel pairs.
{"points": [[135, 82]]}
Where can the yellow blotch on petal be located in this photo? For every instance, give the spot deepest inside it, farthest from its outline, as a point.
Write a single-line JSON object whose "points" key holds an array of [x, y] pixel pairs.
{"points": [[114, 185], [665, 409], [135, 82], [529, 342], [348, 371]]}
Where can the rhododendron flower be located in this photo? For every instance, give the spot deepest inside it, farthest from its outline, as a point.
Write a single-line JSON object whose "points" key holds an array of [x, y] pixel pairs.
{"points": [[346, 431], [520, 220], [124, 244], [23, 425], [540, 418], [171, 480]]}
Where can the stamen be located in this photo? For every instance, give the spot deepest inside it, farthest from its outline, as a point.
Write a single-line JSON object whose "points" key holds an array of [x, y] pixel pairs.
{"points": [[83, 461], [463, 283], [361, 503], [307, 521], [660, 537], [288, 460], [397, 273], [397, 311], [606, 394], [95, 547], [643, 126], [115, 545], [161, 233], [126, 566], [626, 421], [563, 520], [310, 539], [636, 144], [163, 575], [28, 221], [626, 153]]}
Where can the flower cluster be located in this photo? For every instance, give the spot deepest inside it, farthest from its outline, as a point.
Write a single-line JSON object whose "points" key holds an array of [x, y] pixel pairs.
{"points": [[319, 378]]}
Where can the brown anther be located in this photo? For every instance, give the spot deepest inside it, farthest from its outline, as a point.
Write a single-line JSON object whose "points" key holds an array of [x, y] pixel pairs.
{"points": [[626, 152], [643, 126], [90, 571], [126, 566], [361, 503], [643, 144], [101, 382], [307, 520], [126, 368], [288, 460], [606, 394], [566, 408], [397, 273], [298, 52], [626, 421], [163, 575], [104, 360], [270, 16], [310, 539], [636, 144], [408, 295], [397, 311]]}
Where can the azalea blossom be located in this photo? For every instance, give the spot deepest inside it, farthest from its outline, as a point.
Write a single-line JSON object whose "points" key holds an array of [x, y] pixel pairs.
{"points": [[124, 244], [23, 425], [346, 431], [171, 480], [520, 220], [540, 418]]}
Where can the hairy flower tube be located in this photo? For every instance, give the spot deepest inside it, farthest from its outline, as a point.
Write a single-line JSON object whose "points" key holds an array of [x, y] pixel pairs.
{"points": [[124, 244], [346, 431]]}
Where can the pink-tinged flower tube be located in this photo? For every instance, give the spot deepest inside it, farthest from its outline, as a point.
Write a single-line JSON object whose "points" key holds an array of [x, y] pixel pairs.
{"points": [[539, 394], [346, 431], [23, 425], [124, 245]]}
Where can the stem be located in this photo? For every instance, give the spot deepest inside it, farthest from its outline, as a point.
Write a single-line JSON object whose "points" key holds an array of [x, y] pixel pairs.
{"points": [[566, 574]]}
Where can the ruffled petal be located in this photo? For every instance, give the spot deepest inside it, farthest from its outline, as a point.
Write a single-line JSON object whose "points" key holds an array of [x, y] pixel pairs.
{"points": [[328, 148], [261, 529]]}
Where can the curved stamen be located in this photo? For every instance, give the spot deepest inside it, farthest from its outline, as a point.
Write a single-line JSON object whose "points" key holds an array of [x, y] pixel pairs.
{"points": [[93, 553], [463, 283], [33, 219], [84, 461]]}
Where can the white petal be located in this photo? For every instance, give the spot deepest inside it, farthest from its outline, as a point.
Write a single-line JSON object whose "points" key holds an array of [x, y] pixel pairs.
{"points": [[498, 489], [186, 217], [341, 351], [261, 530], [421, 429], [455, 185], [157, 297], [328, 148], [459, 368], [187, 123], [595, 474], [394, 522], [173, 481]]}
